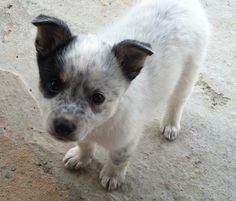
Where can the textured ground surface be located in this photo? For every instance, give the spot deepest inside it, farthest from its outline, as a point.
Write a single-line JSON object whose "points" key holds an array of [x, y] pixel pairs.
{"points": [[199, 165]]}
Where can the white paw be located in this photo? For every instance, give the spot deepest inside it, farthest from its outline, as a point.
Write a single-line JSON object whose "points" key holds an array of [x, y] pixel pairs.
{"points": [[73, 159], [110, 179], [170, 131]]}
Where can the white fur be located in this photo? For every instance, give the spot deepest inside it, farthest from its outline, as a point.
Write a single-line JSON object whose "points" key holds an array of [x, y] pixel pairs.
{"points": [[180, 46], [178, 32]]}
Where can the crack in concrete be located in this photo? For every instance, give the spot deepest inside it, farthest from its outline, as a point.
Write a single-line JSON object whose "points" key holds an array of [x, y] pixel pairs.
{"points": [[215, 98]]}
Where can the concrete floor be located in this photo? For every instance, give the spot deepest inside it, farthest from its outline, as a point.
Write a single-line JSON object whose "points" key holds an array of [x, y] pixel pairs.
{"points": [[200, 165]]}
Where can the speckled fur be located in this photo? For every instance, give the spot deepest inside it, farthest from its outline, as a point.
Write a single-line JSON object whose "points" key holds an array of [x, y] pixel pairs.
{"points": [[178, 32]]}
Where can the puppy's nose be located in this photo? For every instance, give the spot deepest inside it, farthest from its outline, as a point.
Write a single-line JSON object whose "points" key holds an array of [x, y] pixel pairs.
{"points": [[63, 126]]}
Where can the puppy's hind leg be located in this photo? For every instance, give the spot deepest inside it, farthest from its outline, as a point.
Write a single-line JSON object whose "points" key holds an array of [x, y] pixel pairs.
{"points": [[170, 125], [79, 156]]}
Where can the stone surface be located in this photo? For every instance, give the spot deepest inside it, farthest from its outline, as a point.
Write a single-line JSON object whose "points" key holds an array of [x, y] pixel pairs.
{"points": [[199, 165]]}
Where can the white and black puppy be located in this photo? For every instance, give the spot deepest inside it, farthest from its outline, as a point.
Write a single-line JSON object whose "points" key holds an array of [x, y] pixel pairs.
{"points": [[103, 89]]}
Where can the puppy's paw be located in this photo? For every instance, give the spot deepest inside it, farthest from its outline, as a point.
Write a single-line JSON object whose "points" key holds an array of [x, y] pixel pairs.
{"points": [[170, 131], [75, 160], [111, 179]]}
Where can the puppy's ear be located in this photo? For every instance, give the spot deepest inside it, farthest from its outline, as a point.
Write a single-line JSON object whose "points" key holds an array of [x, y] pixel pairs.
{"points": [[131, 56], [51, 33]]}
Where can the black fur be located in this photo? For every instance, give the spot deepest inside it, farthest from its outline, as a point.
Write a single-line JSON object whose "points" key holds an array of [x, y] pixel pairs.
{"points": [[50, 67], [53, 38], [52, 32]]}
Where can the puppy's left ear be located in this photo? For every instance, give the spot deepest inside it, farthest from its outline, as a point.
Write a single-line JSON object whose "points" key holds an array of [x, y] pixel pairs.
{"points": [[52, 32], [131, 55]]}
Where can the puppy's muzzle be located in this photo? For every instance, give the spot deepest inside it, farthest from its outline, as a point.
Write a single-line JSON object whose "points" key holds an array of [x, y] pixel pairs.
{"points": [[63, 127]]}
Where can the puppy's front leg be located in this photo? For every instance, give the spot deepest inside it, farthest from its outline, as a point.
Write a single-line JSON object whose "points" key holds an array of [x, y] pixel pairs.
{"points": [[113, 173], [79, 156]]}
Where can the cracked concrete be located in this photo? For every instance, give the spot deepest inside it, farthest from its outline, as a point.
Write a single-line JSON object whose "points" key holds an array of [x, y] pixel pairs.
{"points": [[199, 165]]}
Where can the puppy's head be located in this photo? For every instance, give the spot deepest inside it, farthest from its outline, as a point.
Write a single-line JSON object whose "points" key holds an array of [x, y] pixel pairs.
{"points": [[82, 78]]}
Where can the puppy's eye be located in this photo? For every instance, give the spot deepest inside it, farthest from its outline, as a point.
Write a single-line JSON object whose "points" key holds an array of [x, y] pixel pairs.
{"points": [[54, 85], [97, 98]]}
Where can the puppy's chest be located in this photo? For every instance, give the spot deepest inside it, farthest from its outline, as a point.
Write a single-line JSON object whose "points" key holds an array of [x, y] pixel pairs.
{"points": [[111, 135]]}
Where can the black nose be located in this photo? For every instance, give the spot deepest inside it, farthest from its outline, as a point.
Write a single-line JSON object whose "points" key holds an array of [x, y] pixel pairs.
{"points": [[63, 126]]}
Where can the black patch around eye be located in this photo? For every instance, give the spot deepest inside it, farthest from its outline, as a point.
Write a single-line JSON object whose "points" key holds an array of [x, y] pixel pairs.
{"points": [[50, 82], [49, 72], [50, 87], [53, 87], [51, 66]]}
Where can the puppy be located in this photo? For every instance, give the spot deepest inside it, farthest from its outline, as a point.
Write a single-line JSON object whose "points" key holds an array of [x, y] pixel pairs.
{"points": [[104, 88]]}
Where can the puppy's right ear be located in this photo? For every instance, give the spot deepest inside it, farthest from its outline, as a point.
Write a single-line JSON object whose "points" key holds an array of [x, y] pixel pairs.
{"points": [[51, 33]]}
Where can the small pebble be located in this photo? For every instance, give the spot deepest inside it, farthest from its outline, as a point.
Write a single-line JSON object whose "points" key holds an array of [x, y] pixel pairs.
{"points": [[3, 167], [9, 6], [13, 169], [38, 164], [7, 175]]}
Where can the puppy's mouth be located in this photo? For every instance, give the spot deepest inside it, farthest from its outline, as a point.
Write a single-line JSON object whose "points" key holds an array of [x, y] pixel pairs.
{"points": [[69, 138], [64, 139]]}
